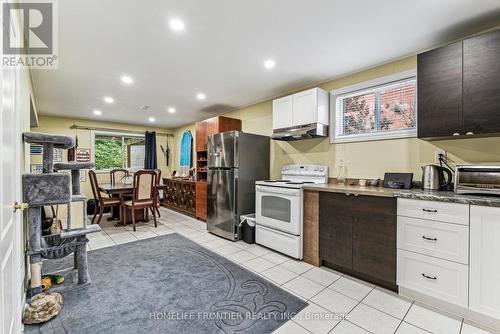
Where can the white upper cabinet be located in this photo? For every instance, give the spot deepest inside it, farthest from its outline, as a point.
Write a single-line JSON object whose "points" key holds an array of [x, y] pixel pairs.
{"points": [[310, 106], [282, 112], [484, 290]]}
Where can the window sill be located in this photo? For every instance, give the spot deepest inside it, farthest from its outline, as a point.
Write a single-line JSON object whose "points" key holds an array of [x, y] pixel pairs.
{"points": [[373, 137]]}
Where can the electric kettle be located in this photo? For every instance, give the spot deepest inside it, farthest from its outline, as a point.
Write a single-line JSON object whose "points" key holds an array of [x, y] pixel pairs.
{"points": [[433, 177]]}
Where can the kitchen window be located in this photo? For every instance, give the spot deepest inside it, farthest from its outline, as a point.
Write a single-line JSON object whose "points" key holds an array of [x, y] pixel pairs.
{"points": [[116, 150], [384, 108]]}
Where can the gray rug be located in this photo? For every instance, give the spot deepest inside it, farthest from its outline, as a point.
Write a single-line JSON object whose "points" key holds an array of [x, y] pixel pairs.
{"points": [[169, 284]]}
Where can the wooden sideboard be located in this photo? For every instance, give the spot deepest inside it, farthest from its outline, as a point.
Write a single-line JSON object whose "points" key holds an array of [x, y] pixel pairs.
{"points": [[180, 195]]}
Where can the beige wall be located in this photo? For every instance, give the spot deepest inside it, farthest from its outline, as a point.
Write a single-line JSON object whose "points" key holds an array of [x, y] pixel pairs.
{"points": [[61, 126], [368, 159]]}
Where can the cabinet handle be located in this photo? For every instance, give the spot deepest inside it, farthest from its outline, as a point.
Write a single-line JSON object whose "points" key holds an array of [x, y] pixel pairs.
{"points": [[430, 239], [429, 277], [469, 133], [347, 194], [456, 134], [429, 210]]}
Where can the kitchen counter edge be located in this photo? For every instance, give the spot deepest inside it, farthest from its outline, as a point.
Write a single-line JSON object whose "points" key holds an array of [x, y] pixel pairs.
{"points": [[417, 194]]}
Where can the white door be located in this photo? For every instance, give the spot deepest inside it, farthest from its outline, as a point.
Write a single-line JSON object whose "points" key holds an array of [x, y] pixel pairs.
{"points": [[484, 291], [279, 208], [11, 278], [305, 107], [282, 112]]}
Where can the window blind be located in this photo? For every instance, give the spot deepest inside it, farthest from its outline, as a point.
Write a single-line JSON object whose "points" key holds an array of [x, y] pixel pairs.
{"points": [[385, 108]]}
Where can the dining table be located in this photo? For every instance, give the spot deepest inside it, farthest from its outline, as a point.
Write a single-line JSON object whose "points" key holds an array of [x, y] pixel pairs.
{"points": [[121, 190]]}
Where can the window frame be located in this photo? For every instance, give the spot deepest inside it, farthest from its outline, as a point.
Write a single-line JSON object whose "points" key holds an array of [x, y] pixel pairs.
{"points": [[95, 133], [367, 86]]}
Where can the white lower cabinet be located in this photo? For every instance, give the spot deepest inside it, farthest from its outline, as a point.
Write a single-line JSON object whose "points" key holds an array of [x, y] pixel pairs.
{"points": [[451, 252], [484, 293], [439, 278], [442, 240]]}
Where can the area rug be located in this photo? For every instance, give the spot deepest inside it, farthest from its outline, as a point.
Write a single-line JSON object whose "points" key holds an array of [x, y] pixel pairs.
{"points": [[169, 284]]}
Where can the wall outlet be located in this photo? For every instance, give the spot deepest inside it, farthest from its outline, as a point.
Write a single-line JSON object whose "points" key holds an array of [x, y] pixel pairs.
{"points": [[437, 153]]}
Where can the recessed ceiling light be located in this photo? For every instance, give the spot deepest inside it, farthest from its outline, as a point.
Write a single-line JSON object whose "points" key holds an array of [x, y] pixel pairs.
{"points": [[109, 99], [171, 110], [127, 80], [97, 112], [176, 25], [270, 63], [151, 119], [201, 96]]}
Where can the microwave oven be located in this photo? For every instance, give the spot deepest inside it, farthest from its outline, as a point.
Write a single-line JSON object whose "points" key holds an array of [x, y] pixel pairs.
{"points": [[477, 179]]}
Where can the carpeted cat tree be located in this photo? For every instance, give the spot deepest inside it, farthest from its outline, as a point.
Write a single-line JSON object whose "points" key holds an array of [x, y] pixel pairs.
{"points": [[52, 188]]}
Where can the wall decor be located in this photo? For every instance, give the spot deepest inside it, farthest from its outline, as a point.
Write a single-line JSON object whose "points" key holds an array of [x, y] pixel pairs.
{"points": [[36, 168], [36, 149], [58, 155], [83, 176], [83, 154]]}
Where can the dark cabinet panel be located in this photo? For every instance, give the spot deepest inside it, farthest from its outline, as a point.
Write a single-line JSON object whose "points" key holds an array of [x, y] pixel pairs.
{"points": [[335, 229], [357, 236], [439, 85], [201, 136], [374, 237], [481, 84]]}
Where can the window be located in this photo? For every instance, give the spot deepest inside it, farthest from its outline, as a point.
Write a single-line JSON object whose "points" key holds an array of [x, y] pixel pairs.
{"points": [[113, 150], [379, 109]]}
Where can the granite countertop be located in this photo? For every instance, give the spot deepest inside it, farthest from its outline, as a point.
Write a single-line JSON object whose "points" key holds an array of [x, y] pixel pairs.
{"points": [[343, 188], [415, 193], [449, 196]]}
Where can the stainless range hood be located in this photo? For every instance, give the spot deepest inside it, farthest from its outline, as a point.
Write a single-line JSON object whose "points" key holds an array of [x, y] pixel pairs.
{"points": [[314, 130]]}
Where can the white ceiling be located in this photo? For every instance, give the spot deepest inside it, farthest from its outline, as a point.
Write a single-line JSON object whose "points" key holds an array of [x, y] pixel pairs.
{"points": [[222, 50]]}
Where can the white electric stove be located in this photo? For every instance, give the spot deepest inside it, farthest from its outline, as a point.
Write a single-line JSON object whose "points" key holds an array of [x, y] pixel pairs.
{"points": [[279, 208]]}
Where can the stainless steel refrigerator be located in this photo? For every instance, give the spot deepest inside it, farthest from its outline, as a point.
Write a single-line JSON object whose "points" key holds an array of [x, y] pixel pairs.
{"points": [[235, 161]]}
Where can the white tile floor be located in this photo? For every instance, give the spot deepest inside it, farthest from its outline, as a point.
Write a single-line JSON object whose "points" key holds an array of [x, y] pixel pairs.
{"points": [[337, 303]]}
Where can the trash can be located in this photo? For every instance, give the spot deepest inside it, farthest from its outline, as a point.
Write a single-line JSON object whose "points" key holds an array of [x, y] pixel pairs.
{"points": [[247, 224]]}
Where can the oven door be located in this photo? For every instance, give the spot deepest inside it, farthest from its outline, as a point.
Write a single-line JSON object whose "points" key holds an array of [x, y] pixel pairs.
{"points": [[279, 208]]}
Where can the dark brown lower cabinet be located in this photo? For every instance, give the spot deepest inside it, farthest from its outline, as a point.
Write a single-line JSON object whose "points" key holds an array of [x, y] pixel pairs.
{"points": [[358, 236], [335, 229]]}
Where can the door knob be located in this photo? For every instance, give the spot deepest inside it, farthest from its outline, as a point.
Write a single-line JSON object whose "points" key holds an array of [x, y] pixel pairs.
{"points": [[20, 206]]}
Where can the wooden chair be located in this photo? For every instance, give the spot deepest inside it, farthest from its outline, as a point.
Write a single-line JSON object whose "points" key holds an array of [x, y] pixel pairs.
{"points": [[117, 175], [144, 194], [157, 193], [100, 202]]}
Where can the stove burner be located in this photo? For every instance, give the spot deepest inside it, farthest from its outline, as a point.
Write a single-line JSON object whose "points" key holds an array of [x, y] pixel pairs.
{"points": [[274, 181], [305, 182]]}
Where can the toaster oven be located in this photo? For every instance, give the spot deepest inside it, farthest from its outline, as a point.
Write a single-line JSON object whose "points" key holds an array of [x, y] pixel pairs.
{"points": [[477, 179]]}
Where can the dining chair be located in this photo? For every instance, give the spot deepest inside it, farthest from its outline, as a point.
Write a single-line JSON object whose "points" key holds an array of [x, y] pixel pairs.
{"points": [[144, 194], [157, 192], [116, 175], [100, 202]]}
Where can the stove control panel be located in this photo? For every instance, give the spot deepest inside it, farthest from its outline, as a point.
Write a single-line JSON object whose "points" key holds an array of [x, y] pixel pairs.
{"points": [[314, 173]]}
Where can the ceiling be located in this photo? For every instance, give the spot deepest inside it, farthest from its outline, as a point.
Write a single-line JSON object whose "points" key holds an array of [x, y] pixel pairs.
{"points": [[222, 50]]}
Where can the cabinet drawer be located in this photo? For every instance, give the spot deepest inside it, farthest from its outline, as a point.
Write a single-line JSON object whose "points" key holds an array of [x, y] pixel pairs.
{"points": [[433, 210], [442, 240], [434, 277]]}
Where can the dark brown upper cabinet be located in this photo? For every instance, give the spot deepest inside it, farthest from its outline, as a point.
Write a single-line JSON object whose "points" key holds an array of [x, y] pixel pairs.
{"points": [[459, 88], [439, 87], [481, 87]]}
